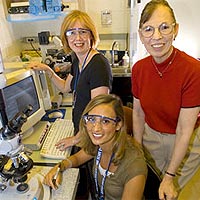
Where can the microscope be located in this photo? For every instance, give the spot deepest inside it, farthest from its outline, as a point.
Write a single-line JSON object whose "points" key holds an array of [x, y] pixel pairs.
{"points": [[15, 162], [53, 54]]}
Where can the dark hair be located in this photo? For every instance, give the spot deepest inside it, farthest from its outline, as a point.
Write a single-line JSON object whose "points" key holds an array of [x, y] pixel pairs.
{"points": [[149, 9]]}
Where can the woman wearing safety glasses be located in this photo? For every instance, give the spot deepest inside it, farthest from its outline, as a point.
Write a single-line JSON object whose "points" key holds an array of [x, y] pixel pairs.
{"points": [[90, 71], [119, 170], [165, 87]]}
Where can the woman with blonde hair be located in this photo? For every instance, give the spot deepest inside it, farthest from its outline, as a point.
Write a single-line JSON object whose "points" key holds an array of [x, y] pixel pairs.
{"points": [[119, 170], [90, 73]]}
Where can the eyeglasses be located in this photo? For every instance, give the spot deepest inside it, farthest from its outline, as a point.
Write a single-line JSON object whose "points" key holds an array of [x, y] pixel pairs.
{"points": [[164, 29], [91, 120], [82, 32]]}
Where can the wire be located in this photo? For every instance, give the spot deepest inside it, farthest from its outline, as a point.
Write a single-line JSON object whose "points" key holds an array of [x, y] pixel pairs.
{"points": [[31, 43]]}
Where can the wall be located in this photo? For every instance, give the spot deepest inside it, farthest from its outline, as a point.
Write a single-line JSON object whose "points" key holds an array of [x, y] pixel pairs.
{"points": [[186, 13], [108, 33], [8, 43], [13, 32], [119, 27]]}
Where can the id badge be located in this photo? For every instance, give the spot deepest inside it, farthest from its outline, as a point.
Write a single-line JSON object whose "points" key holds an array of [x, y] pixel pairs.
{"points": [[73, 98]]}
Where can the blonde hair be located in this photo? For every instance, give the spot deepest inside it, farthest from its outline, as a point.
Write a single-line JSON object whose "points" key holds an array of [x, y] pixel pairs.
{"points": [[121, 136], [86, 22]]}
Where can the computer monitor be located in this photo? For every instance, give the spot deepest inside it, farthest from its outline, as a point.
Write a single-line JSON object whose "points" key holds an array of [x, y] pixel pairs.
{"points": [[22, 89], [44, 89], [1, 121]]}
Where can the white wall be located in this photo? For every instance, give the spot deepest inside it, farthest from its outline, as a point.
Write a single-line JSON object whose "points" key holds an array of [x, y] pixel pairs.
{"points": [[119, 25], [187, 15], [119, 16], [8, 43], [119, 12]]}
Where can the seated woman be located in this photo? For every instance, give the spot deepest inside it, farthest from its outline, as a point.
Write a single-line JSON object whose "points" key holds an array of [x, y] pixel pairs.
{"points": [[119, 170]]}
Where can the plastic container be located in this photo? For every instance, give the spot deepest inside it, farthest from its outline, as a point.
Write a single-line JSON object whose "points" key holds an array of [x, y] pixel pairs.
{"points": [[108, 56], [2, 77], [125, 60]]}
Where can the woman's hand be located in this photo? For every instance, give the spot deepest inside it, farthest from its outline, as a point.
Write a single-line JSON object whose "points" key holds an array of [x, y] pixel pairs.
{"points": [[167, 189], [38, 66], [41, 67], [65, 143], [53, 178]]}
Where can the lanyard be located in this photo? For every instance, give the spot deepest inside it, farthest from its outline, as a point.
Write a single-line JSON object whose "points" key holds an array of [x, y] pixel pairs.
{"points": [[77, 75], [98, 159]]}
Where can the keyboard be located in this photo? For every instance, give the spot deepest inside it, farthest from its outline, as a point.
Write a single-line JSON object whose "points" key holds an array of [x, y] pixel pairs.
{"points": [[59, 129]]}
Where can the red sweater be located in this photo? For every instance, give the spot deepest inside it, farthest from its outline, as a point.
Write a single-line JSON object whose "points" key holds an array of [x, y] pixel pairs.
{"points": [[162, 98]]}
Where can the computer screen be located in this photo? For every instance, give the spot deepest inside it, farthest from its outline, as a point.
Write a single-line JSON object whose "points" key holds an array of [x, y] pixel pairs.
{"points": [[1, 121], [19, 95], [23, 89]]}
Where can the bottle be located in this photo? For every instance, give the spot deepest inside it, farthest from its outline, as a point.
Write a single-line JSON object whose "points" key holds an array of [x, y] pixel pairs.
{"points": [[2, 76], [125, 59], [108, 56]]}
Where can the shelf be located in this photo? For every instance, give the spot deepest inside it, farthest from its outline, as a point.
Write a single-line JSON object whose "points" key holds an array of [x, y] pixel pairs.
{"points": [[26, 17]]}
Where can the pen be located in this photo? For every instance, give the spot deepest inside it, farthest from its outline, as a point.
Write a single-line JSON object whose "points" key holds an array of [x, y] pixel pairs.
{"points": [[55, 176]]}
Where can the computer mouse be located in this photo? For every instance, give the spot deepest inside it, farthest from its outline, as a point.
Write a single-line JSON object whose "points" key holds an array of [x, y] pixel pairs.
{"points": [[55, 114]]}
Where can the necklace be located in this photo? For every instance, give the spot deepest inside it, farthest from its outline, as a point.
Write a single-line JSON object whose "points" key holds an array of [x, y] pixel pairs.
{"points": [[77, 76], [159, 72], [85, 60]]}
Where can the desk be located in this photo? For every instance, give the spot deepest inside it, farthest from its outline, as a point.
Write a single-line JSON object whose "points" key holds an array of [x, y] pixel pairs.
{"points": [[37, 158], [191, 189], [70, 176], [37, 190]]}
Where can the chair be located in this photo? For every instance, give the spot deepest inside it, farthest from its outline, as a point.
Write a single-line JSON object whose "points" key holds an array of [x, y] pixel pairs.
{"points": [[153, 180], [128, 117]]}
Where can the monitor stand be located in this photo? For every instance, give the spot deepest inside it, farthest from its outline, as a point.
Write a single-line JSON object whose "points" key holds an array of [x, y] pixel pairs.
{"points": [[36, 139], [27, 133]]}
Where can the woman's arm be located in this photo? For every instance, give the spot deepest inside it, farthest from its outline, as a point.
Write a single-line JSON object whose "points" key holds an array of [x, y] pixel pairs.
{"points": [[184, 130], [134, 188], [99, 90], [61, 84], [138, 120], [71, 141], [73, 161]]}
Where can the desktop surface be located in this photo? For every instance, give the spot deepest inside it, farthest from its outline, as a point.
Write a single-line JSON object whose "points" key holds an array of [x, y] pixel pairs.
{"points": [[37, 158], [37, 190]]}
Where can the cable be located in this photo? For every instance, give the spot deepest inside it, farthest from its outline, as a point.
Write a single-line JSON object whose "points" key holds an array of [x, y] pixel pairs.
{"points": [[31, 43]]}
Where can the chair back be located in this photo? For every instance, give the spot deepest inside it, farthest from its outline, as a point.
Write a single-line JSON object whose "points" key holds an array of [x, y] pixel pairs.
{"points": [[128, 117]]}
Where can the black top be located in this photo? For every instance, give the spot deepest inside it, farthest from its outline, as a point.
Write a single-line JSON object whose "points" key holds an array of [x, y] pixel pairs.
{"points": [[95, 74]]}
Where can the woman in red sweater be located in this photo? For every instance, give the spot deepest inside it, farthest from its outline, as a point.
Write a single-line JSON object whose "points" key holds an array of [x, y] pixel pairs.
{"points": [[165, 87]]}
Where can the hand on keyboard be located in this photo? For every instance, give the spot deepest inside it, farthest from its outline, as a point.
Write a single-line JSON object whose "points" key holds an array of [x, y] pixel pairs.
{"points": [[64, 143], [59, 129]]}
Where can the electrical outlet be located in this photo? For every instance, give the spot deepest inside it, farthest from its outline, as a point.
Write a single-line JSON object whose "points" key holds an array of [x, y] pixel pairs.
{"points": [[30, 39]]}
